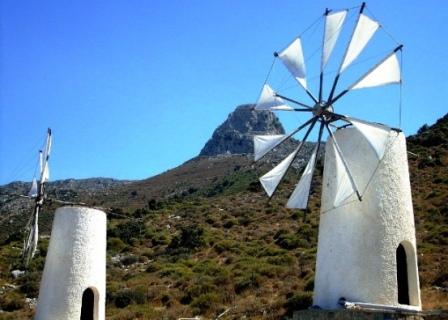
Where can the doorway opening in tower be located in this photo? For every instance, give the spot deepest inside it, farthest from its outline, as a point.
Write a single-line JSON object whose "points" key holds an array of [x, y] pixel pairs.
{"points": [[88, 304], [402, 276]]}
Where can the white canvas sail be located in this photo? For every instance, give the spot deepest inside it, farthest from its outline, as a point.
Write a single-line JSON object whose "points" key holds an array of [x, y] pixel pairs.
{"points": [[364, 31], [377, 136], [344, 185], [386, 72], [292, 58], [300, 195], [45, 173], [268, 101], [265, 143], [33, 191], [41, 163], [271, 179], [30, 245], [45, 169], [333, 25]]}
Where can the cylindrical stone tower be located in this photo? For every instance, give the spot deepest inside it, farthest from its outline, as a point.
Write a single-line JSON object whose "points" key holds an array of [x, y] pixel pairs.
{"points": [[73, 284], [367, 249]]}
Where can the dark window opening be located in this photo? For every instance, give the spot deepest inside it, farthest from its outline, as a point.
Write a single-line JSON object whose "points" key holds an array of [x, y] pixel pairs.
{"points": [[402, 276], [88, 302]]}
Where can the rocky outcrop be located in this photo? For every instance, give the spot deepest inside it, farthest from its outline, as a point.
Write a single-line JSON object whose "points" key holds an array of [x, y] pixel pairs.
{"points": [[235, 135]]}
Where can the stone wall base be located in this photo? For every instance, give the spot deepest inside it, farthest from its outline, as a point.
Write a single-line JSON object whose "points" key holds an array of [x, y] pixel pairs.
{"points": [[368, 315]]}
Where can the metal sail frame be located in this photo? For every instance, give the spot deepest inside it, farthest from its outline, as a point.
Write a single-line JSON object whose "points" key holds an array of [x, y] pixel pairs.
{"points": [[323, 111], [32, 227]]}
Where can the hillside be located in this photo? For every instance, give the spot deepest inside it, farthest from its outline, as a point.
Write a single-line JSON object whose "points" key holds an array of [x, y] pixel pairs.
{"points": [[203, 238]]}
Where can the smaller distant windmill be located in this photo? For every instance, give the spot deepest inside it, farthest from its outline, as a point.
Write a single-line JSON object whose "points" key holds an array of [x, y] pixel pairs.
{"points": [[37, 192], [322, 110]]}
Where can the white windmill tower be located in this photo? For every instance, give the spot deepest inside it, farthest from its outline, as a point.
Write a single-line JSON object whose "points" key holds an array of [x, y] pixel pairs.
{"points": [[73, 282], [366, 247]]}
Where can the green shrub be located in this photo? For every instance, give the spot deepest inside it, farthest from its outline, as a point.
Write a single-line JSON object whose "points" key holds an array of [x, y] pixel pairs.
{"points": [[190, 237], [228, 245], [309, 285], [299, 301], [140, 213], [281, 260], [307, 232], [128, 260], [11, 301], [125, 297], [176, 271], [204, 302], [153, 267], [29, 284], [126, 231], [115, 244], [229, 223], [246, 282], [201, 286], [157, 237], [287, 241]]}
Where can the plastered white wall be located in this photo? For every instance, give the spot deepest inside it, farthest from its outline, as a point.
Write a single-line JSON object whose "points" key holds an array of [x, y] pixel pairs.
{"points": [[356, 255], [76, 260]]}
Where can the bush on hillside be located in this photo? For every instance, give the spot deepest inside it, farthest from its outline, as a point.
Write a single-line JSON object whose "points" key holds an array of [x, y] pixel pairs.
{"points": [[126, 297], [126, 231], [190, 237], [299, 301]]}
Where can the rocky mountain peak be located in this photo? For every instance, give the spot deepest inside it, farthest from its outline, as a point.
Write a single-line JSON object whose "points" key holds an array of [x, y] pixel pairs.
{"points": [[235, 134]]}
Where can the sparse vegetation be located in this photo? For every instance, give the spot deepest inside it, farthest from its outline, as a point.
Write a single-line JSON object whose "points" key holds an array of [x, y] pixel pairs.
{"points": [[214, 243]]}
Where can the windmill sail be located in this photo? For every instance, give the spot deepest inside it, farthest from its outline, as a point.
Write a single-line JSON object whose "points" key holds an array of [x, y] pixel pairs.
{"points": [[271, 179], [300, 195], [269, 101], [30, 244], [377, 136], [344, 186], [364, 31], [33, 191], [333, 25], [32, 227], [265, 143], [292, 58], [386, 72]]}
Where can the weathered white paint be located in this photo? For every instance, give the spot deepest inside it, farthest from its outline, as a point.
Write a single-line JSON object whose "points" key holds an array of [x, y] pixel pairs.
{"points": [[76, 260], [356, 255]]}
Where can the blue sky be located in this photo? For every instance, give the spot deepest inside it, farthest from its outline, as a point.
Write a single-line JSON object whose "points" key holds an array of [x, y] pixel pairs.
{"points": [[134, 88]]}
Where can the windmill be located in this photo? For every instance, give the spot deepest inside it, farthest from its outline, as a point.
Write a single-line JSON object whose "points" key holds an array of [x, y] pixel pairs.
{"points": [[366, 248], [37, 192], [322, 109]]}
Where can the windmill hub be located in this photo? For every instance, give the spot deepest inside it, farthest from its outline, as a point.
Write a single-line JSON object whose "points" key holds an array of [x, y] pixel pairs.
{"points": [[323, 109]]}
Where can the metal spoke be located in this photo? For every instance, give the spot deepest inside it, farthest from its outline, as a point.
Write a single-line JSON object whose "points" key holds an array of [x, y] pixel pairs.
{"points": [[337, 116], [291, 134], [303, 110], [297, 152], [321, 129], [310, 95], [293, 101]]}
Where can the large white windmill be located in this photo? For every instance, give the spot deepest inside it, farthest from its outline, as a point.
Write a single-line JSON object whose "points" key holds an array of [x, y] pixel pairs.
{"points": [[366, 248]]}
